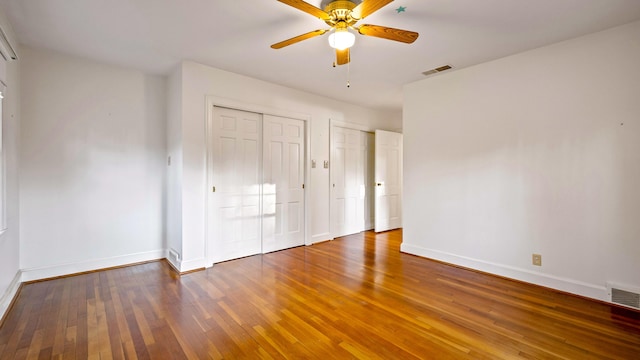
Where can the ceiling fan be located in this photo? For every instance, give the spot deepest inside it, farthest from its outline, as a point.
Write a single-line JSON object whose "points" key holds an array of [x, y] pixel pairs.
{"points": [[342, 15]]}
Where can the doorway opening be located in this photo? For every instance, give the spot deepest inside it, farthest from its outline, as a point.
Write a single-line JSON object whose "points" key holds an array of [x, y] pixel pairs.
{"points": [[366, 180]]}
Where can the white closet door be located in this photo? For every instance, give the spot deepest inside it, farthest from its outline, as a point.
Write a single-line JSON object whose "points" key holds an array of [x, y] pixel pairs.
{"points": [[347, 182], [388, 194], [236, 202], [283, 204]]}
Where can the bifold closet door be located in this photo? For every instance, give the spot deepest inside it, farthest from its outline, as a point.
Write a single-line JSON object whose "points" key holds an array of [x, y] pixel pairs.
{"points": [[237, 178], [283, 186]]}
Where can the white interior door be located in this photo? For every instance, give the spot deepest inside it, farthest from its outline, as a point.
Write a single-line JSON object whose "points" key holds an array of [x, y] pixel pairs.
{"points": [[236, 202], [283, 187], [347, 175], [388, 174]]}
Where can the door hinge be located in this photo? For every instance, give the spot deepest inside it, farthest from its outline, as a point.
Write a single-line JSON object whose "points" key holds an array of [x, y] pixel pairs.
{"points": [[303, 186], [213, 189]]}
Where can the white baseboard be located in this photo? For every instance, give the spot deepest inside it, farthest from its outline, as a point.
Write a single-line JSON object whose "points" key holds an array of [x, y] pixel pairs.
{"points": [[320, 238], [190, 265], [559, 283], [10, 294], [46, 272]]}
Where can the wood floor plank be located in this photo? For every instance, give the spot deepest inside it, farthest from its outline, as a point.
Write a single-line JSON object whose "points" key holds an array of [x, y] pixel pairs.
{"points": [[354, 297]]}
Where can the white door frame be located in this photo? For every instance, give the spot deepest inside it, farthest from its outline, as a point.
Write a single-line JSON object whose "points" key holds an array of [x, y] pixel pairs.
{"points": [[210, 102]]}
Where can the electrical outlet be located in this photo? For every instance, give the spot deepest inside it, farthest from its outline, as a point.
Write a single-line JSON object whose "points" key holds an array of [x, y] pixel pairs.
{"points": [[536, 259]]}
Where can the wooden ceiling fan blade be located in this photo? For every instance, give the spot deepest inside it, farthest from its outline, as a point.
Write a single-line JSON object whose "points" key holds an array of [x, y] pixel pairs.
{"points": [[368, 7], [308, 8], [343, 56], [388, 33], [298, 38]]}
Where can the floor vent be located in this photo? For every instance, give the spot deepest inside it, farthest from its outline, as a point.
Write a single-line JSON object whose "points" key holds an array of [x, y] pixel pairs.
{"points": [[437, 70], [624, 297], [174, 256]]}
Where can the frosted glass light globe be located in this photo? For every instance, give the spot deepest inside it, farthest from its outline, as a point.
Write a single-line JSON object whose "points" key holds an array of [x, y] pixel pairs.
{"points": [[341, 39]]}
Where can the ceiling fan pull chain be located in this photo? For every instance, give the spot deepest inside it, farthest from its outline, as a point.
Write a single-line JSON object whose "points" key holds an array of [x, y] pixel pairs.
{"points": [[349, 72]]}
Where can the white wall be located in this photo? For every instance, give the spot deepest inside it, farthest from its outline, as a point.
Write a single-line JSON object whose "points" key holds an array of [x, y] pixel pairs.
{"points": [[200, 81], [534, 153], [92, 169], [174, 171], [10, 240]]}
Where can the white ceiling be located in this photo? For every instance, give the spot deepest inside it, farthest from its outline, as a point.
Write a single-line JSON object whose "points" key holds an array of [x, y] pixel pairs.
{"points": [[234, 35]]}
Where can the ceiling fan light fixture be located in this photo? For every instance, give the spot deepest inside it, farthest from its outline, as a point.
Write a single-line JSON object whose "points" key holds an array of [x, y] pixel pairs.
{"points": [[341, 39], [342, 15]]}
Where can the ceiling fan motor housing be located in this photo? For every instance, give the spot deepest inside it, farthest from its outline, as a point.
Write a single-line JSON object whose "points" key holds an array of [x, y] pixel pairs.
{"points": [[340, 11], [325, 3]]}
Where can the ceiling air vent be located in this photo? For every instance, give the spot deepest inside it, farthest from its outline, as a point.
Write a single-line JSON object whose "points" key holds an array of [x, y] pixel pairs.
{"points": [[624, 296], [437, 70], [6, 50]]}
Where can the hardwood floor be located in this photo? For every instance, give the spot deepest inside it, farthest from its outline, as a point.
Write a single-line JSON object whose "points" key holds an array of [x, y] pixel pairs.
{"points": [[355, 297]]}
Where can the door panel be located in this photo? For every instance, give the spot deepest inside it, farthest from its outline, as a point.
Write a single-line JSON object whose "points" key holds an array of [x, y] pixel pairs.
{"points": [[347, 182], [388, 173], [236, 201], [283, 207]]}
